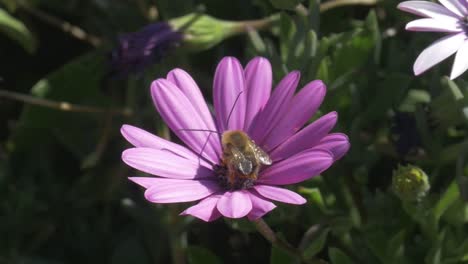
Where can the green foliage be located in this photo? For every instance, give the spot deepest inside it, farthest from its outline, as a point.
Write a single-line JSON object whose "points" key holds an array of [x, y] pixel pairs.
{"points": [[199, 255], [17, 31]]}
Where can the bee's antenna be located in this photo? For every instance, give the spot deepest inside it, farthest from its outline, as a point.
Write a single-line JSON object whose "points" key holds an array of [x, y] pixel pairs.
{"points": [[206, 142], [232, 109], [201, 130]]}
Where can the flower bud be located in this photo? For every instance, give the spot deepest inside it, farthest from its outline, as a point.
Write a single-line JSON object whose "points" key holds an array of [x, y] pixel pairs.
{"points": [[410, 183], [137, 50], [201, 32]]}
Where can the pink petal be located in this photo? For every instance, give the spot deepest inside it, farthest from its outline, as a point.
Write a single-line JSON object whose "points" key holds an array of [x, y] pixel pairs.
{"points": [[174, 191], [187, 85], [427, 9], [461, 61], [165, 164], [456, 6], [433, 25], [301, 108], [235, 204], [280, 194], [437, 52], [306, 138], [297, 168], [229, 94], [205, 210], [278, 103], [179, 114], [336, 143], [260, 206], [258, 78], [141, 138]]}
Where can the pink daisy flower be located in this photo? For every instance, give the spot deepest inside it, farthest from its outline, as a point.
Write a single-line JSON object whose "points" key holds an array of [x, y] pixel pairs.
{"points": [[242, 104], [452, 18]]}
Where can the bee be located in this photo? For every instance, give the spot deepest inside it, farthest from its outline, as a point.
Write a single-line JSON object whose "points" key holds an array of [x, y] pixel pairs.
{"points": [[242, 158]]}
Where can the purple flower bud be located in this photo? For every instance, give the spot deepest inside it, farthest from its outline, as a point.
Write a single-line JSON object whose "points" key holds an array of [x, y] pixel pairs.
{"points": [[138, 50]]}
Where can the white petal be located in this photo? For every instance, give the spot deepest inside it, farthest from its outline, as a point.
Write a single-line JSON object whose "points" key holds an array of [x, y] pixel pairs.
{"points": [[437, 52], [434, 25], [461, 61], [456, 6], [427, 9]]}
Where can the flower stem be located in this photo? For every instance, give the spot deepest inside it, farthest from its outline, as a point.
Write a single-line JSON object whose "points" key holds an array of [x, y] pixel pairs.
{"points": [[337, 3], [65, 26], [177, 237], [62, 106], [264, 229], [240, 27]]}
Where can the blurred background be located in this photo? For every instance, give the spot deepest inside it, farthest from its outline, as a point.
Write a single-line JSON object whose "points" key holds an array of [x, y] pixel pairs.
{"points": [[70, 76]]}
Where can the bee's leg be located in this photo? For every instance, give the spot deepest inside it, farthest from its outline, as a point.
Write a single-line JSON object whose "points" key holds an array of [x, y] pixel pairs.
{"points": [[231, 179]]}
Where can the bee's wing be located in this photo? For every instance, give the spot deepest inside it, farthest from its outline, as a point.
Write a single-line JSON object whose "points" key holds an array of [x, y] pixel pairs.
{"points": [[243, 164], [261, 155]]}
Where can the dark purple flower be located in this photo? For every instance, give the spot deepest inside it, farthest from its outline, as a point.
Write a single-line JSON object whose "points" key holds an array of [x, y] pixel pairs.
{"points": [[138, 50]]}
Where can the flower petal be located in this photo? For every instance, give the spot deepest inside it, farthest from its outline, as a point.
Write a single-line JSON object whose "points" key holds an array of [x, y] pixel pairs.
{"points": [[434, 25], [267, 119], [190, 89], [141, 138], [174, 191], [461, 61], [260, 206], [297, 168], [427, 9], [456, 6], [205, 210], [229, 94], [280, 194], [306, 138], [179, 114], [336, 143], [301, 108], [235, 204], [258, 79], [164, 163], [437, 52]]}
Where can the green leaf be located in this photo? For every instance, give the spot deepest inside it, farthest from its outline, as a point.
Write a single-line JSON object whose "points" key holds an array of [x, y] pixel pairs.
{"points": [[287, 32], [338, 257], [457, 214], [434, 255], [9, 4], [257, 42], [372, 24], [280, 256], [316, 245], [315, 196], [17, 31], [413, 98], [200, 255], [395, 248], [448, 198], [130, 250], [377, 243]]}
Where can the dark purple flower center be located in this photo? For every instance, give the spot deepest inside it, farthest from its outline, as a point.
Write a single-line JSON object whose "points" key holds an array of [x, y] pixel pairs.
{"points": [[239, 183], [464, 22]]}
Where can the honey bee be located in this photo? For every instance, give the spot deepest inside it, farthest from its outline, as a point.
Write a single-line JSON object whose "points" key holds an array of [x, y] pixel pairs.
{"points": [[242, 158]]}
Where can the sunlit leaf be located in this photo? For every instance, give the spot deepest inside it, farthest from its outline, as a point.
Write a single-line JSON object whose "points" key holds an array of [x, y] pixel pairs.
{"points": [[17, 31]]}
